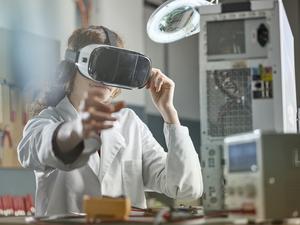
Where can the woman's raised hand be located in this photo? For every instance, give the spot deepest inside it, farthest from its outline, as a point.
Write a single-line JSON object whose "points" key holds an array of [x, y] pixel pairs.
{"points": [[162, 89]]}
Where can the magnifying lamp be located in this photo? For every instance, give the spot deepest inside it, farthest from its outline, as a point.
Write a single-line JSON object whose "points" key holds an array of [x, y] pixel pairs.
{"points": [[174, 20]]}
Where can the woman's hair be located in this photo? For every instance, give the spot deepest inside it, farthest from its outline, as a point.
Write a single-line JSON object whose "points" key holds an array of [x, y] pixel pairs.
{"points": [[66, 71]]}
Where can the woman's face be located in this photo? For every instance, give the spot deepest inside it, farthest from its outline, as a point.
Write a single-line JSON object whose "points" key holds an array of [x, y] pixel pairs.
{"points": [[106, 92], [83, 84]]}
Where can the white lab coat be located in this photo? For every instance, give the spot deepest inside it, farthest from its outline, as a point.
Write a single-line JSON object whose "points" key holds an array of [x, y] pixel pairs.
{"points": [[131, 162]]}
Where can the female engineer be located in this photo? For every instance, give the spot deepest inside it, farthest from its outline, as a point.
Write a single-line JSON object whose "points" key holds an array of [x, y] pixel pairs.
{"points": [[80, 143]]}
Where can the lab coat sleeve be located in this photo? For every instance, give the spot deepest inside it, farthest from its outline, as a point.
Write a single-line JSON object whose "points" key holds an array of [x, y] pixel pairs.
{"points": [[35, 150], [176, 173]]}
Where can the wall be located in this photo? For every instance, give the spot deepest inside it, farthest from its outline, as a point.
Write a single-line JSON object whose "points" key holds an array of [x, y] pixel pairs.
{"points": [[17, 182], [125, 18], [157, 53], [7, 152], [53, 20], [184, 70]]}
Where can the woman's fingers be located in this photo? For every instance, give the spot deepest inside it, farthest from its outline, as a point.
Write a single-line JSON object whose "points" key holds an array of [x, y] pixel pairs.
{"points": [[98, 126], [99, 116], [100, 111], [98, 121], [153, 75], [159, 82], [96, 115], [154, 80], [93, 102], [94, 129]]}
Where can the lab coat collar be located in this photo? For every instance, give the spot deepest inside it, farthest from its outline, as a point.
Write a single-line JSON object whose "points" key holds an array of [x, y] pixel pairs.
{"points": [[112, 143], [112, 140]]}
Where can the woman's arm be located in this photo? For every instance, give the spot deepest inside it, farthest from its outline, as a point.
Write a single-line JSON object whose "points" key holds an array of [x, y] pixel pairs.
{"points": [[36, 148], [50, 142], [177, 173], [94, 116]]}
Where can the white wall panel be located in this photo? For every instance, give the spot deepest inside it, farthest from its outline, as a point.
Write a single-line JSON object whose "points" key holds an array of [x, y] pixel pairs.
{"points": [[53, 19], [183, 61], [127, 19], [156, 52]]}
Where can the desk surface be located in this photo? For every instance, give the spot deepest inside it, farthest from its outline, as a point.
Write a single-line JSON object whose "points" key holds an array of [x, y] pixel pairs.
{"points": [[141, 221], [137, 220]]}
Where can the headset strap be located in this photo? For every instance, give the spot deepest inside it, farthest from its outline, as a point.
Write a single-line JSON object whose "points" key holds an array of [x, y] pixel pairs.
{"points": [[71, 55], [111, 38]]}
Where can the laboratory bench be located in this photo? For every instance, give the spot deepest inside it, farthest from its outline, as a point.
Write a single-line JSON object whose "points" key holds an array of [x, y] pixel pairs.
{"points": [[21, 220]]}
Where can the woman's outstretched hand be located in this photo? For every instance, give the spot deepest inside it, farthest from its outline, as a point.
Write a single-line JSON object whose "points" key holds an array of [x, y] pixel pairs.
{"points": [[95, 115], [162, 88]]}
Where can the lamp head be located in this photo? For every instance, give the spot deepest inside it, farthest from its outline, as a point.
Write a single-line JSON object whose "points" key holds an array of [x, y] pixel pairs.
{"points": [[174, 20]]}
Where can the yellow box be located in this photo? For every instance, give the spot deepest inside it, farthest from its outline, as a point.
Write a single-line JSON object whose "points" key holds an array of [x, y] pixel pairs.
{"points": [[105, 208]]}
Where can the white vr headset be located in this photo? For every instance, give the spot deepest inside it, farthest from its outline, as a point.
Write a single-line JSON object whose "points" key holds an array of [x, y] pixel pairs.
{"points": [[111, 65]]}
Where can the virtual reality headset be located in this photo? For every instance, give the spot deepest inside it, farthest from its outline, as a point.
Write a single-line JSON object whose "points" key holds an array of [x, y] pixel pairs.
{"points": [[111, 65]]}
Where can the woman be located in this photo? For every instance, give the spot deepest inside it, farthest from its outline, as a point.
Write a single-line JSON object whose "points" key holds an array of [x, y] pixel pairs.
{"points": [[109, 152]]}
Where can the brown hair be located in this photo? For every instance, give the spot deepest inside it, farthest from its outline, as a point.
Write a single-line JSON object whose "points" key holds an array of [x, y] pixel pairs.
{"points": [[66, 71]]}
